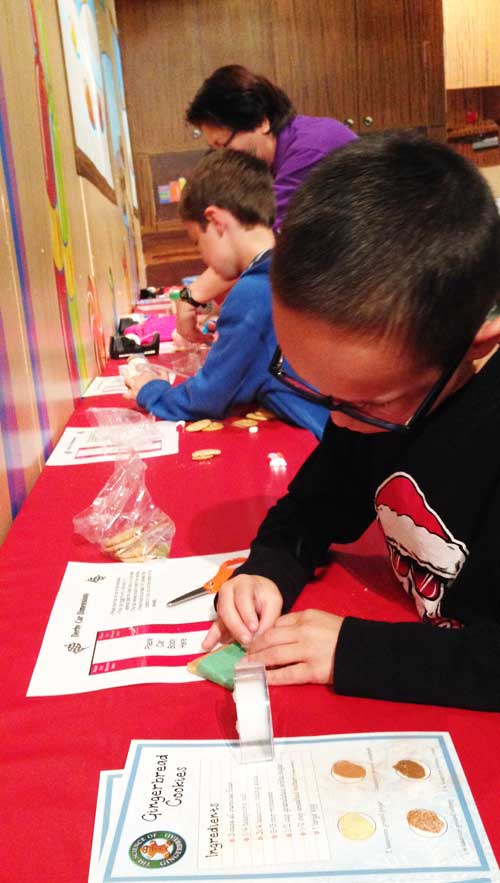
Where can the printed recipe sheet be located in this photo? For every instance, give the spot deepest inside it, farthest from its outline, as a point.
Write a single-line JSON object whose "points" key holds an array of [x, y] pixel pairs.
{"points": [[375, 807], [110, 625]]}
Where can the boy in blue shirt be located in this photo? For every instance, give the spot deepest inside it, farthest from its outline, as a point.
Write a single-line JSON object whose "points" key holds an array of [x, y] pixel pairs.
{"points": [[228, 208]]}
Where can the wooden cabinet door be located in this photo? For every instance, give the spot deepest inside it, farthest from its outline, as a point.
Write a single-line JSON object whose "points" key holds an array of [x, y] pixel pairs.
{"points": [[314, 50], [400, 64]]}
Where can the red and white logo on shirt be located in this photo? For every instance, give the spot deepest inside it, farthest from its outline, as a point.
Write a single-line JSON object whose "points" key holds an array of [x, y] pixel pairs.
{"points": [[425, 556]]}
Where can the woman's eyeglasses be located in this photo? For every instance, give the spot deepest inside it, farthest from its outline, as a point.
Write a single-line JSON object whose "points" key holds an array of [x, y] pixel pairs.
{"points": [[228, 141], [311, 395]]}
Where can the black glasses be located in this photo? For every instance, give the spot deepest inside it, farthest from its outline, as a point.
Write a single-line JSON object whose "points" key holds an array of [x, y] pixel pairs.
{"points": [[311, 395], [228, 141]]}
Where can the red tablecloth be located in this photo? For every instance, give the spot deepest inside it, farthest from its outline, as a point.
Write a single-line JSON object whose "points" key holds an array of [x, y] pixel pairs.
{"points": [[53, 748]]}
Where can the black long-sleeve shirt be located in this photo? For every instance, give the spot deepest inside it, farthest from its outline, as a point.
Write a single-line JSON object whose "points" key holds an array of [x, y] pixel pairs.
{"points": [[436, 494]]}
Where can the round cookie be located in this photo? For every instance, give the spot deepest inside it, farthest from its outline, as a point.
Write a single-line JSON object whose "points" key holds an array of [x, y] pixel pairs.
{"points": [[205, 454]]}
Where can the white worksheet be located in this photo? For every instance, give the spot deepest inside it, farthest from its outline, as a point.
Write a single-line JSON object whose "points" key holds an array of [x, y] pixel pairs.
{"points": [[372, 807], [98, 444], [106, 814], [105, 386], [110, 625]]}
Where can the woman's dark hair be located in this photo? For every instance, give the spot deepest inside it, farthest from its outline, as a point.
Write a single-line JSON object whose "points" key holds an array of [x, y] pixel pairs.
{"points": [[394, 236], [234, 98]]}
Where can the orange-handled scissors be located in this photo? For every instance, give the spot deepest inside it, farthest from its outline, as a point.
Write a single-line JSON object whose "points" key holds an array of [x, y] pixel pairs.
{"points": [[224, 573]]}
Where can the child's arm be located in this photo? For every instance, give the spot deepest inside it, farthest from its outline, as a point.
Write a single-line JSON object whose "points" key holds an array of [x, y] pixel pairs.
{"points": [[214, 388], [435, 664], [328, 501], [293, 540]]}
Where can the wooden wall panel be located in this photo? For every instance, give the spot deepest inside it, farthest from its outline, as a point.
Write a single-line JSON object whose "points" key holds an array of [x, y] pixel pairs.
{"points": [[56, 231], [340, 58], [306, 47], [110, 259], [471, 51], [5, 498]]}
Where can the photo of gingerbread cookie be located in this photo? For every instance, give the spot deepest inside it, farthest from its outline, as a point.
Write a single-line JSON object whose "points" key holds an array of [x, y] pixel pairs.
{"points": [[411, 769], [426, 822], [348, 771]]}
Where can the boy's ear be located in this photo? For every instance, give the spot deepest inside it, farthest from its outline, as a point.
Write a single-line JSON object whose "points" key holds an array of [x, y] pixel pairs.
{"points": [[486, 339], [216, 216]]}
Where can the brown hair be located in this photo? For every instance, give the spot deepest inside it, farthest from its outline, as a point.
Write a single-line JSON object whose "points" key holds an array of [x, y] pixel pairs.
{"points": [[230, 179]]}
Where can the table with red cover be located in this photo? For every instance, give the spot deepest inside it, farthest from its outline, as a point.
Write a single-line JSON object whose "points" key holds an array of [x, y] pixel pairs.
{"points": [[53, 748]]}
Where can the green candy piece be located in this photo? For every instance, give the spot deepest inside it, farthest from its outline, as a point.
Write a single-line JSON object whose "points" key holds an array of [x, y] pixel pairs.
{"points": [[219, 665]]}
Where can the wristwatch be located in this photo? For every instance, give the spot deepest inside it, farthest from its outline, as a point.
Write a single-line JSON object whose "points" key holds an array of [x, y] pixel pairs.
{"points": [[185, 295]]}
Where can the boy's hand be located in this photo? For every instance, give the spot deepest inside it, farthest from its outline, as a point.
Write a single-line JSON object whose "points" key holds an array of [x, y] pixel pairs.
{"points": [[186, 323], [135, 383], [246, 607], [299, 649]]}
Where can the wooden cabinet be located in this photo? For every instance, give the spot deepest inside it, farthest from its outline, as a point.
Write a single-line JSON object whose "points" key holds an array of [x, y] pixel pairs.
{"points": [[374, 63], [399, 61], [377, 63]]}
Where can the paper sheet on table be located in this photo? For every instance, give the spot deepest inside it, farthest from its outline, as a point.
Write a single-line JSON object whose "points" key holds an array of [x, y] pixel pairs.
{"points": [[190, 810], [106, 815], [110, 625], [105, 386], [79, 445], [166, 346]]}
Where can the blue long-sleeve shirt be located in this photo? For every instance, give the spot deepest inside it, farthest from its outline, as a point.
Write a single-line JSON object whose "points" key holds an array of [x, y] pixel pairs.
{"points": [[236, 369]]}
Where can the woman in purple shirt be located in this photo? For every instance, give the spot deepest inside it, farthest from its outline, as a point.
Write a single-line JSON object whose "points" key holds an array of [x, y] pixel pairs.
{"points": [[239, 108]]}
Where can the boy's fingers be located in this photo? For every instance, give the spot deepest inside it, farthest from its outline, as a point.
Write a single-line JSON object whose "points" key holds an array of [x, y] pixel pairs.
{"points": [[232, 620], [245, 606], [289, 619], [269, 614], [291, 674], [278, 654], [274, 637], [213, 636]]}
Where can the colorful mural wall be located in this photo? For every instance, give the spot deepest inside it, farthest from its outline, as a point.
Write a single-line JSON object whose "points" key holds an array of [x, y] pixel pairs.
{"points": [[71, 255]]}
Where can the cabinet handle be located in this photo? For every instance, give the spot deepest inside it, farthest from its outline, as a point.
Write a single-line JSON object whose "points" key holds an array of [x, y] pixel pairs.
{"points": [[368, 121], [349, 122], [196, 133]]}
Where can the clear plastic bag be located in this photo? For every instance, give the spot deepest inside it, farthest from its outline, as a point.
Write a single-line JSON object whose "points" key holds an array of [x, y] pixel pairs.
{"points": [[186, 363], [123, 519], [126, 430]]}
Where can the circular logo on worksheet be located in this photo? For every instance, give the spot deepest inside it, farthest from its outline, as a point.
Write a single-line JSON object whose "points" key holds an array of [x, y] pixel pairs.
{"points": [[158, 849]]}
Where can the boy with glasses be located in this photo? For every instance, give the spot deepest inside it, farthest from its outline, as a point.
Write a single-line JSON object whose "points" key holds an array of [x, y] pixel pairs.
{"points": [[386, 278]]}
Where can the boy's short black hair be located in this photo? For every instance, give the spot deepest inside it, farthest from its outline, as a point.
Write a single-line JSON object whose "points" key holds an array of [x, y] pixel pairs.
{"points": [[235, 98], [230, 179], [393, 235]]}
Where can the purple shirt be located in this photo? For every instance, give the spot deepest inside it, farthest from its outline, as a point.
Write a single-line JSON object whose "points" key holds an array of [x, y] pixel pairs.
{"points": [[299, 146]]}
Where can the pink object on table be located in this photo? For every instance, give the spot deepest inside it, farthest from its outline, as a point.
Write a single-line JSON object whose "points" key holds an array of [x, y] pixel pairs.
{"points": [[165, 325]]}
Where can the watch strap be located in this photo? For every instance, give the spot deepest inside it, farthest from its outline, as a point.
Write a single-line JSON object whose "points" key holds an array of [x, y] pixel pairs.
{"points": [[185, 295]]}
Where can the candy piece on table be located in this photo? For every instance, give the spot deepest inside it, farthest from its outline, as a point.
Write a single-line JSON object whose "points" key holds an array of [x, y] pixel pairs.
{"points": [[218, 666], [277, 460]]}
